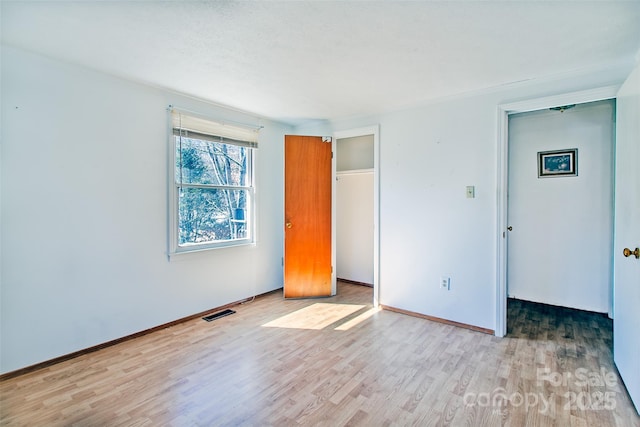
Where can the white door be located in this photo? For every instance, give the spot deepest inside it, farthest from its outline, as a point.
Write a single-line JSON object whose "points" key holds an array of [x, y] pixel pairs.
{"points": [[626, 296], [560, 239]]}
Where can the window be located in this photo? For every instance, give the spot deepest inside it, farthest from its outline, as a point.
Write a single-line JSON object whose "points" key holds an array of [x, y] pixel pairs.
{"points": [[212, 185]]}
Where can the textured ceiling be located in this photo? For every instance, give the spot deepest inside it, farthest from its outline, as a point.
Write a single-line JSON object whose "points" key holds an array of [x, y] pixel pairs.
{"points": [[293, 61]]}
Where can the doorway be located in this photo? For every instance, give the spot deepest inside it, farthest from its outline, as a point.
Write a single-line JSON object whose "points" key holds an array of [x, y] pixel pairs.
{"points": [[560, 206], [354, 210], [357, 164], [504, 110]]}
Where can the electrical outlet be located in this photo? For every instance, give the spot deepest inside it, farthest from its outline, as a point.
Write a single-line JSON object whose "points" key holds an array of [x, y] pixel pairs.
{"points": [[445, 283]]}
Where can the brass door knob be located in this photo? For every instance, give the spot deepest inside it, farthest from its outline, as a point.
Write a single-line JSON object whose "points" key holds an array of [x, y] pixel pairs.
{"points": [[289, 225], [628, 252]]}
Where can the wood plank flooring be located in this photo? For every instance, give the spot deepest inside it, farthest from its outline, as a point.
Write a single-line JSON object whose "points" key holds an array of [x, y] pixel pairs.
{"points": [[370, 368]]}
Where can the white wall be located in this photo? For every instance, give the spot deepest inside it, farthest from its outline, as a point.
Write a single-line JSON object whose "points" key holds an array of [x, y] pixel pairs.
{"points": [[428, 156], [84, 213], [561, 244]]}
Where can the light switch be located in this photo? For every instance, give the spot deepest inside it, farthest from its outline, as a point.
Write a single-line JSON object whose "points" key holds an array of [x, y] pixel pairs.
{"points": [[471, 191]]}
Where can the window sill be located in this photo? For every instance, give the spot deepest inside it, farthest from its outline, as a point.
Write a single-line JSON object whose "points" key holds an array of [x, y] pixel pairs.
{"points": [[179, 253]]}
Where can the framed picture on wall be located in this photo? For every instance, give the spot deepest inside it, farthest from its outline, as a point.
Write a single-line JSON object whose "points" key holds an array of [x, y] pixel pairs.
{"points": [[558, 163]]}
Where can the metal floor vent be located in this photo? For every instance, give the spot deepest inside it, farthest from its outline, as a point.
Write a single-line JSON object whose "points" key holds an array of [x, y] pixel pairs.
{"points": [[218, 315]]}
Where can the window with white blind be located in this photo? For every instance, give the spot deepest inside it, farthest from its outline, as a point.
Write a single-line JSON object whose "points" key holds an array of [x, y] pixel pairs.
{"points": [[212, 190]]}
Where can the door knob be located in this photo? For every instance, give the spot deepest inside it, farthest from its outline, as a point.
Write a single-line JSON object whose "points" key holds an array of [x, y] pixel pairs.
{"points": [[628, 252], [509, 228], [289, 225]]}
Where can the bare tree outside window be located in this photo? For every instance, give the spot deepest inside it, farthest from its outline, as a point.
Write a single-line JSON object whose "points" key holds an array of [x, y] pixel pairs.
{"points": [[214, 188]]}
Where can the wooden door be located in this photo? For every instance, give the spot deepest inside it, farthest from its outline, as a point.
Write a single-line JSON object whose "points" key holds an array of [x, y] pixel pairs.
{"points": [[307, 228], [626, 294]]}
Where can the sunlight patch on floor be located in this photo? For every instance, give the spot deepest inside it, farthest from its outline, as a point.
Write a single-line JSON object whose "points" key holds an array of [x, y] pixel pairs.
{"points": [[316, 316], [357, 320]]}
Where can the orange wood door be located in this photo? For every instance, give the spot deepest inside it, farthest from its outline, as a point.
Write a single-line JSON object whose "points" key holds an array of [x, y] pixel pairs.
{"points": [[307, 210]]}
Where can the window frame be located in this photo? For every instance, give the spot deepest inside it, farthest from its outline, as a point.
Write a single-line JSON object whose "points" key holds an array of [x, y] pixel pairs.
{"points": [[175, 248]]}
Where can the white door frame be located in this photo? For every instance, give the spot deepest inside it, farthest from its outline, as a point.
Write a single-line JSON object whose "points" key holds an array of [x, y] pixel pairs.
{"points": [[504, 110], [364, 131]]}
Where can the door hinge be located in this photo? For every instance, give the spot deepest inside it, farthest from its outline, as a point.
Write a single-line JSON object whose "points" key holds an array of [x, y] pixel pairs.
{"points": [[332, 154], [332, 269]]}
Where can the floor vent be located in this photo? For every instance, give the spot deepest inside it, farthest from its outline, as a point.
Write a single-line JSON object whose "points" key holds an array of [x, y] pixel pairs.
{"points": [[218, 315]]}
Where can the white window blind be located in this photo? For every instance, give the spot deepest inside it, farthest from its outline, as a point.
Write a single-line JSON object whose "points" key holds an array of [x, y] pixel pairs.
{"points": [[191, 126]]}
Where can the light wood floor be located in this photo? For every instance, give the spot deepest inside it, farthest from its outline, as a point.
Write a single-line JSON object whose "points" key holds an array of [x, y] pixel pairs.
{"points": [[369, 368]]}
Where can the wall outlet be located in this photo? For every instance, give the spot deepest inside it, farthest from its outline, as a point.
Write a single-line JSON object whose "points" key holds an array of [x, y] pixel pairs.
{"points": [[445, 283]]}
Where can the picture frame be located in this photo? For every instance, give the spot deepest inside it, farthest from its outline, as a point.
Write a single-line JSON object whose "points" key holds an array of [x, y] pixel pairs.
{"points": [[558, 163]]}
